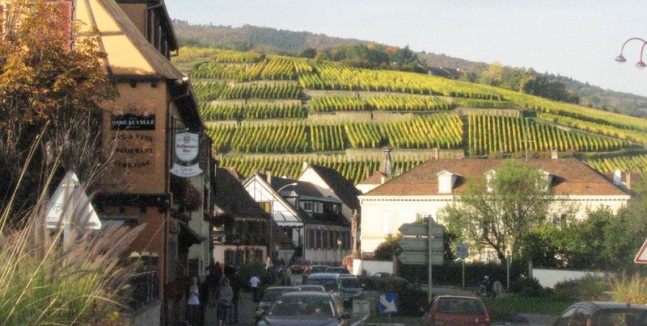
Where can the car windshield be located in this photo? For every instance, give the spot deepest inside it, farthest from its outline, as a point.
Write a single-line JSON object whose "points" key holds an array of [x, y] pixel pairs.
{"points": [[306, 306], [621, 317], [319, 269], [270, 294], [329, 284], [463, 306], [350, 283]]}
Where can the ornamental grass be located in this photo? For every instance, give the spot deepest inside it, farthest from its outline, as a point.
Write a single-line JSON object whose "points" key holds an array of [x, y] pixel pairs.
{"points": [[46, 282]]}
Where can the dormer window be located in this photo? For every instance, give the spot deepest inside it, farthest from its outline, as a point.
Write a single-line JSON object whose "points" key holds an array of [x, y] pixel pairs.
{"points": [[446, 182], [547, 178], [489, 180]]}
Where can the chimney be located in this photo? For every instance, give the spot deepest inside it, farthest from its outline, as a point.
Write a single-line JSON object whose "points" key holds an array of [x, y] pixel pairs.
{"points": [[617, 177], [554, 154], [269, 178], [387, 164], [382, 179], [367, 172], [628, 180], [435, 153]]}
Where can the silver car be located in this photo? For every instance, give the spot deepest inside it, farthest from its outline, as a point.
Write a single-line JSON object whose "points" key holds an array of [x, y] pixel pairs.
{"points": [[306, 308]]}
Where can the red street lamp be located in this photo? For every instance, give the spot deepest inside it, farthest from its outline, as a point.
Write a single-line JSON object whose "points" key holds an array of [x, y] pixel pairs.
{"points": [[640, 64]]}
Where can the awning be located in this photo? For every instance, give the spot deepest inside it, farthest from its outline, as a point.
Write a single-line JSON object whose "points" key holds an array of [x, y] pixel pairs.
{"points": [[189, 234]]}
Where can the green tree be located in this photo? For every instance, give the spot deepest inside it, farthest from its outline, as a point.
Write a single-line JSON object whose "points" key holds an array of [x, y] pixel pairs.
{"points": [[498, 213], [51, 86], [387, 249]]}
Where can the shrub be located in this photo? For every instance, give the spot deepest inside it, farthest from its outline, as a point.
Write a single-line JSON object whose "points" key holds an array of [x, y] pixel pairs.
{"points": [[587, 288], [527, 287]]}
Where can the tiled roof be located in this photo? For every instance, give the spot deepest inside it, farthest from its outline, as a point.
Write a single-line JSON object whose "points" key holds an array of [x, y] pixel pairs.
{"points": [[233, 198], [343, 188], [374, 179], [570, 177], [129, 52]]}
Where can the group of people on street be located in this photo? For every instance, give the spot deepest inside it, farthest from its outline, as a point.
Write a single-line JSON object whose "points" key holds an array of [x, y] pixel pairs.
{"points": [[215, 301]]}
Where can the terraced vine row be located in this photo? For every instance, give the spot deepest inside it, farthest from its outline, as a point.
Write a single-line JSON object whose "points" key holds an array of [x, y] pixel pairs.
{"points": [[262, 91], [240, 110], [637, 163], [205, 92], [485, 104], [227, 56], [382, 103], [363, 135], [353, 170], [598, 128], [327, 138], [221, 137], [277, 138], [332, 77], [190, 54], [214, 70], [439, 130], [496, 134]]}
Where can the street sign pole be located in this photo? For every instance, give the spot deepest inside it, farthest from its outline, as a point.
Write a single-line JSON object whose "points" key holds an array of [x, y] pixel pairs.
{"points": [[429, 295]]}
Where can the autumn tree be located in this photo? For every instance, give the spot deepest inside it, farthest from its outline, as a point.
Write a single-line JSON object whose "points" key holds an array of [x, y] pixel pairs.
{"points": [[499, 210], [51, 84]]}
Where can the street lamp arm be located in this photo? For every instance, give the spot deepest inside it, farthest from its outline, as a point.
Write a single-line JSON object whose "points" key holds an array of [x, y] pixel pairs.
{"points": [[620, 58], [287, 185]]}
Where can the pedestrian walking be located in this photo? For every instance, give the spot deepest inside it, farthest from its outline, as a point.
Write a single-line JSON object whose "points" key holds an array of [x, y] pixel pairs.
{"points": [[225, 298], [235, 286], [193, 311], [254, 282]]}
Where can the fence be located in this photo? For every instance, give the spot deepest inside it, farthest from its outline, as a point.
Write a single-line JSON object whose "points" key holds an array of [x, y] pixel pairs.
{"points": [[143, 289]]}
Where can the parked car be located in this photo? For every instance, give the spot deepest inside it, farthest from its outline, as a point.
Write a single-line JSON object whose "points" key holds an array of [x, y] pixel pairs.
{"points": [[351, 288], [269, 295], [603, 313], [313, 269], [306, 308], [381, 274], [456, 310], [338, 270], [312, 287], [331, 282]]}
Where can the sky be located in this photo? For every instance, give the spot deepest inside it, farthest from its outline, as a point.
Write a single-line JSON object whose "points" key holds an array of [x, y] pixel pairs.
{"points": [[573, 38]]}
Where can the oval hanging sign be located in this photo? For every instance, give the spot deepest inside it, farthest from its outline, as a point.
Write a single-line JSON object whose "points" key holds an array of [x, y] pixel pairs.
{"points": [[186, 146]]}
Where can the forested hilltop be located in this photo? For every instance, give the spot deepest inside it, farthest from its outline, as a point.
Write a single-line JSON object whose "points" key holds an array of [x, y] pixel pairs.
{"points": [[358, 53]]}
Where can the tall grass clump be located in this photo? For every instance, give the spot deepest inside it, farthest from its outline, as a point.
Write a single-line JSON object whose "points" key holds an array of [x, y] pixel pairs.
{"points": [[46, 282], [627, 288]]}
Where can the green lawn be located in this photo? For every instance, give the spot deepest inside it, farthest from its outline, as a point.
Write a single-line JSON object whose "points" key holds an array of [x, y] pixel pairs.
{"points": [[502, 308]]}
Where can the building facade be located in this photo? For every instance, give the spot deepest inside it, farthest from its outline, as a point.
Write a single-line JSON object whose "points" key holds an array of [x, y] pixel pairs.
{"points": [[160, 159], [314, 223], [428, 188]]}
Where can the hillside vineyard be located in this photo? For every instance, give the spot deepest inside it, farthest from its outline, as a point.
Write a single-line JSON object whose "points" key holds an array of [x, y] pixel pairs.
{"points": [[272, 113]]}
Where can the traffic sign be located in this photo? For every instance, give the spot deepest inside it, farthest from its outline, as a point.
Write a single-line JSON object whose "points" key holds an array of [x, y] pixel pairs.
{"points": [[420, 258], [420, 244], [462, 250], [420, 230], [69, 202], [641, 257]]}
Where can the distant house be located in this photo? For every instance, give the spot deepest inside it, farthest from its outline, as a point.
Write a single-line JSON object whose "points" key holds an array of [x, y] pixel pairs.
{"points": [[313, 221], [241, 227], [426, 189]]}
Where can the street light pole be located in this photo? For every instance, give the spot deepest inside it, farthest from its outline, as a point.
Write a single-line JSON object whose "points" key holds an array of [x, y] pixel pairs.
{"points": [[339, 250], [507, 262], [621, 59]]}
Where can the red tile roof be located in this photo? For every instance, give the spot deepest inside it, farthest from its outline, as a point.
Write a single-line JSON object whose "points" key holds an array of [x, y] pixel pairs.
{"points": [[570, 177]]}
